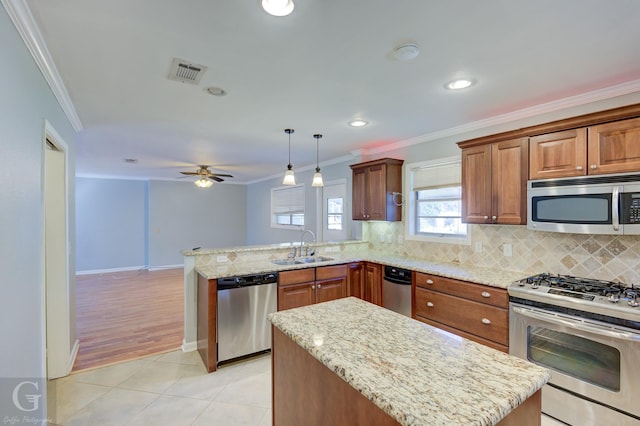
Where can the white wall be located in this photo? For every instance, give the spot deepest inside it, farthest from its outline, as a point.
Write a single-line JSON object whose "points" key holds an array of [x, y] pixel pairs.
{"points": [[25, 102], [183, 216], [110, 223]]}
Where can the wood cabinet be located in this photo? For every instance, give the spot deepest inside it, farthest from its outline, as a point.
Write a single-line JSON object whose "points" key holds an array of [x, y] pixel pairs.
{"points": [[494, 180], [355, 280], [474, 311], [374, 183], [373, 283], [599, 149], [302, 287], [206, 322]]}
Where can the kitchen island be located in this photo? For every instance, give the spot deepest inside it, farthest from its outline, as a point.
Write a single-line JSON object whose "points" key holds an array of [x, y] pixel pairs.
{"points": [[348, 362]]}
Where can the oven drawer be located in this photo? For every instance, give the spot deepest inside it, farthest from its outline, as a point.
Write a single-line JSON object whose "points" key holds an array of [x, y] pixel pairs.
{"points": [[472, 317], [480, 293]]}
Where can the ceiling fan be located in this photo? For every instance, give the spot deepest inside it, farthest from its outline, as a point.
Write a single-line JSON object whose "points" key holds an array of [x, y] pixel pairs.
{"points": [[206, 177]]}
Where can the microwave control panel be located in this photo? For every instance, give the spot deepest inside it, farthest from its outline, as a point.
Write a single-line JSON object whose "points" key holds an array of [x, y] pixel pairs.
{"points": [[630, 208]]}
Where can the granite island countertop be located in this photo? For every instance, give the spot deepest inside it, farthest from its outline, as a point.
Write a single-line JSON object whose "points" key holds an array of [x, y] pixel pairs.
{"points": [[416, 373]]}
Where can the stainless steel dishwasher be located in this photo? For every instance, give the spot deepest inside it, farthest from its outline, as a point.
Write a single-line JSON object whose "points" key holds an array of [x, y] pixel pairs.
{"points": [[396, 290], [243, 305]]}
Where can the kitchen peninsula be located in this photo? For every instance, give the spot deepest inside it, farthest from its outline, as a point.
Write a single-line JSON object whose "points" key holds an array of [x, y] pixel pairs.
{"points": [[349, 362]]}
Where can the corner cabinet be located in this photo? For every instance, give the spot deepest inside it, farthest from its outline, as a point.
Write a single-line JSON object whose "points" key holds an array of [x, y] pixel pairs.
{"points": [[494, 178], [374, 183], [600, 149], [365, 282]]}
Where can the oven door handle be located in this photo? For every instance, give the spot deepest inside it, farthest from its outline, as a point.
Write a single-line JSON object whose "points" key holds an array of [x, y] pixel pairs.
{"points": [[578, 325], [615, 208]]}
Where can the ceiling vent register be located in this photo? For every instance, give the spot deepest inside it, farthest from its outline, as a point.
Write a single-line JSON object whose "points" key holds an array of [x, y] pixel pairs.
{"points": [[186, 72]]}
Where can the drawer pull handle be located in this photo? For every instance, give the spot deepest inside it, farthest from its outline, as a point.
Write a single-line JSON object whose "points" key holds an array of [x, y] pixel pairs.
{"points": [[486, 294], [429, 281], [486, 321], [429, 304]]}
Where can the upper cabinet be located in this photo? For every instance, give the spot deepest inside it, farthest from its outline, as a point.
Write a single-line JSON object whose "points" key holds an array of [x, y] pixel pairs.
{"points": [[494, 180], [374, 183], [594, 150]]}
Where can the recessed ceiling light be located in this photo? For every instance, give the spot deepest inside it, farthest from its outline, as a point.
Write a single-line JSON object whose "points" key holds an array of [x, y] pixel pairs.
{"points": [[130, 160], [462, 83], [406, 52], [358, 123], [277, 7], [216, 91]]}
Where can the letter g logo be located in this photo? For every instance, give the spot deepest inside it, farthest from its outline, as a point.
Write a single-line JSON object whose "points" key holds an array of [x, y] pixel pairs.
{"points": [[34, 399]]}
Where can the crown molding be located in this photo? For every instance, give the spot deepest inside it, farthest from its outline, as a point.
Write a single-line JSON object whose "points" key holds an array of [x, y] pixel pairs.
{"points": [[23, 19], [536, 110]]}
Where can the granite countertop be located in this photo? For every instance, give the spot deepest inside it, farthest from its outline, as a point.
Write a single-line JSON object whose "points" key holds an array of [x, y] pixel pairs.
{"points": [[416, 373], [488, 276]]}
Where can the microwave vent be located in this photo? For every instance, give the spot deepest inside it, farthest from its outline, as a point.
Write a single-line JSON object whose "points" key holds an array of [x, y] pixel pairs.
{"points": [[186, 72]]}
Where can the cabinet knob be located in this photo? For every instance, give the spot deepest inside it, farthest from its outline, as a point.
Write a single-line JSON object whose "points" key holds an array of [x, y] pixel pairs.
{"points": [[593, 167], [429, 304], [494, 218], [579, 168], [313, 287], [319, 285], [486, 217], [429, 281], [486, 321], [485, 294]]}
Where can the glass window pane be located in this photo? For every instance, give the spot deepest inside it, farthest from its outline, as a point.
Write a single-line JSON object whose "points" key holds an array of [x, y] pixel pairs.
{"points": [[439, 193], [438, 225], [297, 219], [334, 222], [447, 208], [334, 205], [283, 219]]}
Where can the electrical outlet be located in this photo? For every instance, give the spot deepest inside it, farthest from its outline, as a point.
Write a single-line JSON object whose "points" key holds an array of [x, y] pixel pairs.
{"points": [[479, 247], [507, 250], [400, 239]]}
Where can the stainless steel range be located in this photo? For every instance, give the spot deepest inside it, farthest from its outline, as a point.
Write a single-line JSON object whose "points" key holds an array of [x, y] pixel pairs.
{"points": [[587, 332]]}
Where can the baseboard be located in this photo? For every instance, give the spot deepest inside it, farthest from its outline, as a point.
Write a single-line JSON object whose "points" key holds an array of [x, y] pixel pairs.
{"points": [[159, 268], [73, 356], [108, 271], [189, 347]]}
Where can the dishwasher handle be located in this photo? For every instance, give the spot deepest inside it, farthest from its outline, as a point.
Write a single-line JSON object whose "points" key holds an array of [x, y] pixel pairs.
{"points": [[397, 280]]}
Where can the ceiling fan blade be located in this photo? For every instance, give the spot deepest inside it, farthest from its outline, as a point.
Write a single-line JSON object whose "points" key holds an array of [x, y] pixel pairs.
{"points": [[190, 173], [217, 179], [220, 174]]}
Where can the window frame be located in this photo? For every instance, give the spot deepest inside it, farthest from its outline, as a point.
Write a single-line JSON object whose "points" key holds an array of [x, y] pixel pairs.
{"points": [[296, 206], [411, 206]]}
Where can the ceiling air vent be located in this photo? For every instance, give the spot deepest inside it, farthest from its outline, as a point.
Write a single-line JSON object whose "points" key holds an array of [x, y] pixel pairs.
{"points": [[186, 71]]}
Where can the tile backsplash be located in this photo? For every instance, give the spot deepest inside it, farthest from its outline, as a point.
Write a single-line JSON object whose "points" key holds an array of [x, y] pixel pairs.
{"points": [[607, 257]]}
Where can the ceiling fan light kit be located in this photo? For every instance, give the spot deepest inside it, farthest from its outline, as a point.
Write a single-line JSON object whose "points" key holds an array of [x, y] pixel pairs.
{"points": [[278, 7], [203, 183], [289, 177], [206, 177], [317, 176]]}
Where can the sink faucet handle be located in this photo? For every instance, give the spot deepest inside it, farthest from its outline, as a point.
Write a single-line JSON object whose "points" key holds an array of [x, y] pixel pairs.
{"points": [[292, 253]]}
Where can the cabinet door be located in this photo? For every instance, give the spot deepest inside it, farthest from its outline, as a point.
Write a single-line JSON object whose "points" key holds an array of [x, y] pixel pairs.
{"points": [[359, 194], [509, 166], [355, 280], [558, 154], [332, 289], [615, 147], [296, 295], [373, 283], [476, 184], [376, 193]]}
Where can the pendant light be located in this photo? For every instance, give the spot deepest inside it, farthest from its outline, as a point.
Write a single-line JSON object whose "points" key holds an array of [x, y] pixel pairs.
{"points": [[203, 183], [289, 177], [317, 176]]}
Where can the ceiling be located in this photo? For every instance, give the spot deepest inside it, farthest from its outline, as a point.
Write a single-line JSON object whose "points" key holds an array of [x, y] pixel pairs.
{"points": [[327, 63]]}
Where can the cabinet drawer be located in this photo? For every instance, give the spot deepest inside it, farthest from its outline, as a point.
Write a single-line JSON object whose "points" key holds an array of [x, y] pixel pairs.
{"points": [[491, 344], [478, 292], [476, 318], [334, 271], [296, 276]]}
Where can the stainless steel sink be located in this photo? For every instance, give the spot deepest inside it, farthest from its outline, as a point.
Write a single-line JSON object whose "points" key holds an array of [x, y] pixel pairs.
{"points": [[301, 260]]}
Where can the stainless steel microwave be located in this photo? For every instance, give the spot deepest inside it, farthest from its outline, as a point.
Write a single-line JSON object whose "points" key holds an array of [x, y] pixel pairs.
{"points": [[607, 204]]}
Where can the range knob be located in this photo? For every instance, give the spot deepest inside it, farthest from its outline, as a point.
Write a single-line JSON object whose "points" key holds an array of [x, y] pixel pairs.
{"points": [[633, 299], [535, 284], [614, 297]]}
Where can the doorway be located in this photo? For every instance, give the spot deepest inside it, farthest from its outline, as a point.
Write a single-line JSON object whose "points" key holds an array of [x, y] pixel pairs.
{"points": [[59, 349], [334, 222]]}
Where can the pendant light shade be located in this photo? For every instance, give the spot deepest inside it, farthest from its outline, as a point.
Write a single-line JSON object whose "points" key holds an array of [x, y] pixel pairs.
{"points": [[289, 177], [203, 183], [317, 176]]}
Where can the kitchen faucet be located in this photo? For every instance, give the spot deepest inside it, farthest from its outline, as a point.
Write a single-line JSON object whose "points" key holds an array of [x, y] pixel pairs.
{"points": [[307, 253]]}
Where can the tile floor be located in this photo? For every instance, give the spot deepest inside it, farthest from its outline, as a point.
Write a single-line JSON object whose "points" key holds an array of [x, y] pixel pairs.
{"points": [[169, 389]]}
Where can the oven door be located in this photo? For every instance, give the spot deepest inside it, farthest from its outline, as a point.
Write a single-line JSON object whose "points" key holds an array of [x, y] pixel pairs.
{"points": [[588, 358]]}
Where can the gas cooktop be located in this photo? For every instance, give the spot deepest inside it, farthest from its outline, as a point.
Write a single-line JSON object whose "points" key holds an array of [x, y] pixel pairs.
{"points": [[591, 295]]}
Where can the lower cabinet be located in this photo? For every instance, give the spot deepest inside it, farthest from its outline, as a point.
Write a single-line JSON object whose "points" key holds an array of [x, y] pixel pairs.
{"points": [[302, 287], [365, 281], [474, 311]]}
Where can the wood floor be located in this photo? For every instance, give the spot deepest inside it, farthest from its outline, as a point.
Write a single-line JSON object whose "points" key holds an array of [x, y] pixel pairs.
{"points": [[128, 315]]}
